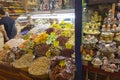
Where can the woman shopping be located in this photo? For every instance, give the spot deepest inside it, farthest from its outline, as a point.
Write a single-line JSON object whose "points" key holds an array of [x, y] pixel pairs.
{"points": [[7, 26]]}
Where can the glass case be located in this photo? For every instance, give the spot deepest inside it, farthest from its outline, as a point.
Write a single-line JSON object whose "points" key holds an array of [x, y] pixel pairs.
{"points": [[45, 18], [62, 14]]}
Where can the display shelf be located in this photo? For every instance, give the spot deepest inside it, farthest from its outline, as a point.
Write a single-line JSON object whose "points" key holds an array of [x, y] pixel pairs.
{"points": [[106, 47], [14, 8], [13, 1], [47, 14], [12, 14], [91, 2], [60, 16], [64, 11], [99, 71], [105, 51], [54, 11]]}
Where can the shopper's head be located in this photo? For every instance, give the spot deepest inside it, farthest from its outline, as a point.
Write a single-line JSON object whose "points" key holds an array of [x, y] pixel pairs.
{"points": [[118, 4], [2, 12]]}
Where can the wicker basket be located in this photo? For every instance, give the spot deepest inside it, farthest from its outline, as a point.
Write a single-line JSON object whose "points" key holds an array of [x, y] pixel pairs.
{"points": [[24, 69], [39, 68], [41, 77], [19, 63]]}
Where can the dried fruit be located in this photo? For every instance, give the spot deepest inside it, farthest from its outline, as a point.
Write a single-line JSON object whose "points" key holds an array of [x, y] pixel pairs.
{"points": [[67, 52], [41, 49], [62, 40]]}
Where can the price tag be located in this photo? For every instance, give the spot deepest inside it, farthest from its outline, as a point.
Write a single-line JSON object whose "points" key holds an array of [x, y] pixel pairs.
{"points": [[69, 46], [59, 27], [45, 34], [63, 33], [68, 25], [30, 51], [48, 54], [37, 40], [62, 63], [73, 55], [6, 46], [63, 22], [52, 34], [56, 43], [54, 22]]}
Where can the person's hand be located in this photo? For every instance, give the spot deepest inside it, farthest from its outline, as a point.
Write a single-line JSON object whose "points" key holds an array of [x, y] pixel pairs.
{"points": [[1, 29], [6, 39]]}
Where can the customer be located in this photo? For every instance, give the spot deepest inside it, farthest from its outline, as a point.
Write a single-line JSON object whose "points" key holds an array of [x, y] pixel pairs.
{"points": [[7, 26], [117, 11]]}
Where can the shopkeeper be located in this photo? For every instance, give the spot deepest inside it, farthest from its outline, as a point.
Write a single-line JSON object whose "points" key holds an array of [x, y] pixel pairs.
{"points": [[7, 26]]}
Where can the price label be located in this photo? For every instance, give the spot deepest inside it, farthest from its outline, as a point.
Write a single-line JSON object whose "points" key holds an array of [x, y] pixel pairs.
{"points": [[62, 63], [52, 34], [48, 54], [6, 46], [63, 22], [30, 51], [59, 27], [68, 25], [37, 40], [69, 46], [54, 22], [56, 43]]}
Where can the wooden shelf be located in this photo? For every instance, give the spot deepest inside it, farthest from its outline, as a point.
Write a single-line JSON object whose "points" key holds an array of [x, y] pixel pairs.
{"points": [[13, 7], [90, 68], [12, 14], [12, 1], [91, 2]]}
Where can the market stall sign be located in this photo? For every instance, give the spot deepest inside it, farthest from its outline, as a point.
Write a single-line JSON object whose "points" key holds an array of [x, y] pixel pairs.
{"points": [[100, 1]]}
